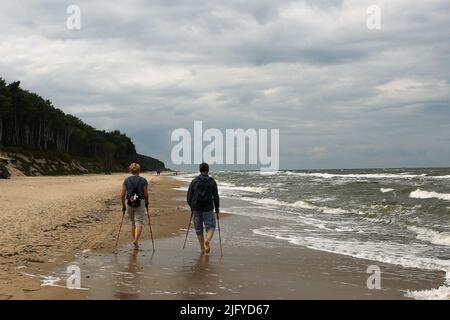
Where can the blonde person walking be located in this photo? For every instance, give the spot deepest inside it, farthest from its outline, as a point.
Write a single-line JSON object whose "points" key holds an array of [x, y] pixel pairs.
{"points": [[134, 199]]}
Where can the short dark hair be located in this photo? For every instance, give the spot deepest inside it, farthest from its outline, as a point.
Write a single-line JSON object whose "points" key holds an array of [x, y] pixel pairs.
{"points": [[204, 167]]}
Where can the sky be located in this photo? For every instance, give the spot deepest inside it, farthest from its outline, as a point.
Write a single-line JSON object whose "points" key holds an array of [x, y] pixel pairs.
{"points": [[341, 95]]}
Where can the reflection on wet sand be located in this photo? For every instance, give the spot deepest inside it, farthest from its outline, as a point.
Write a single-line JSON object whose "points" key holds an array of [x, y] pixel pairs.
{"points": [[128, 282], [198, 278], [139, 278], [252, 269]]}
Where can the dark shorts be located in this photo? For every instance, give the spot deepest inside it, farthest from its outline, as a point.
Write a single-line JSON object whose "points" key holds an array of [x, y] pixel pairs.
{"points": [[204, 218]]}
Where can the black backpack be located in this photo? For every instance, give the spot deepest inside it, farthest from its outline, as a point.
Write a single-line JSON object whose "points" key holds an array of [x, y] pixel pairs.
{"points": [[203, 192], [133, 199]]}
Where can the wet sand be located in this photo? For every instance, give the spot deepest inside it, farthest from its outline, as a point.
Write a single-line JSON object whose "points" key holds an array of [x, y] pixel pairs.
{"points": [[253, 266]]}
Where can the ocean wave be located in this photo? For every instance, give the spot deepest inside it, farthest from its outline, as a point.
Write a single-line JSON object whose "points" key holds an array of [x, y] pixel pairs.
{"points": [[298, 204], [386, 190], [266, 201], [422, 194], [268, 173], [321, 199], [187, 177], [345, 229], [332, 210], [441, 293], [303, 205], [425, 234], [246, 189], [326, 175], [323, 209], [255, 172], [387, 252], [356, 175]]}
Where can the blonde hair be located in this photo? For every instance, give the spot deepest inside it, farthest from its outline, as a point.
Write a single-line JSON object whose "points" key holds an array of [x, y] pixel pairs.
{"points": [[135, 168]]}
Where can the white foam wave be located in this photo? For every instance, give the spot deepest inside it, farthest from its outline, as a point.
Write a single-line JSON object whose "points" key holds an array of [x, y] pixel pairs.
{"points": [[332, 210], [246, 189], [268, 173], [298, 204], [303, 205], [354, 175], [266, 201], [344, 229], [386, 190], [441, 293], [320, 199], [424, 234], [387, 252], [422, 194], [325, 175], [323, 209]]}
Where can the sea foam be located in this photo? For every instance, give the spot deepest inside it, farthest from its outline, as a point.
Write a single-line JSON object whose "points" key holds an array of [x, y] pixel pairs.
{"points": [[298, 204], [422, 194], [425, 234], [441, 293]]}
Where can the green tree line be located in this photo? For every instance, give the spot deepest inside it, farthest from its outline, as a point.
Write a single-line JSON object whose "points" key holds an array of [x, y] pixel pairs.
{"points": [[29, 121]]}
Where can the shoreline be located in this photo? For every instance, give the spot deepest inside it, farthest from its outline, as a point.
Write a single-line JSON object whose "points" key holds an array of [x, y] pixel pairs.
{"points": [[252, 267], [90, 230]]}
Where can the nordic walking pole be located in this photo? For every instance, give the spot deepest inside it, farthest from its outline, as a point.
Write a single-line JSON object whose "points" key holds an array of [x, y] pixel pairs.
{"points": [[120, 228], [151, 232], [189, 226], [220, 237]]}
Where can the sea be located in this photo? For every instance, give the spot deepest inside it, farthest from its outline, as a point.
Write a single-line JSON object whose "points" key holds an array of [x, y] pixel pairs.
{"points": [[396, 216]]}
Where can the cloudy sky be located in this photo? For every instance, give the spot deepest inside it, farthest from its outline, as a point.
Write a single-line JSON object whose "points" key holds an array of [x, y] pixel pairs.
{"points": [[342, 95]]}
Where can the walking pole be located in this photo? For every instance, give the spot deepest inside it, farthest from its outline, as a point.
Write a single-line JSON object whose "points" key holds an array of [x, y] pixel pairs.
{"points": [[189, 226], [151, 233], [220, 237], [120, 228]]}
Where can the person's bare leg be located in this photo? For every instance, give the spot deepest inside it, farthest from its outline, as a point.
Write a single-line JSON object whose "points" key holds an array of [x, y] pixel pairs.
{"points": [[201, 241], [209, 237], [137, 236], [133, 232]]}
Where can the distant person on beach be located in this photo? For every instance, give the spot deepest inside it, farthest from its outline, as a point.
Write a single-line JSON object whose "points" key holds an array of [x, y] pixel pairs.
{"points": [[134, 199], [203, 198]]}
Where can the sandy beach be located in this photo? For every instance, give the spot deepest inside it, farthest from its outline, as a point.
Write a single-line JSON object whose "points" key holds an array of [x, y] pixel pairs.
{"points": [[47, 220], [49, 223]]}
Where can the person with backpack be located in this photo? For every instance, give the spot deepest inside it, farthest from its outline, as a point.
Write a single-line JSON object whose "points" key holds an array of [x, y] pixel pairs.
{"points": [[203, 198], [134, 199]]}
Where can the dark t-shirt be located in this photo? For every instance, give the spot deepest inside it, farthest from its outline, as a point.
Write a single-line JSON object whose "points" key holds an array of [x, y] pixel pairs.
{"points": [[135, 182], [192, 193]]}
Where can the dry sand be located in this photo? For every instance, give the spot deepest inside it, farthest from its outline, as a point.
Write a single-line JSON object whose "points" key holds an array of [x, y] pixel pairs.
{"points": [[46, 219]]}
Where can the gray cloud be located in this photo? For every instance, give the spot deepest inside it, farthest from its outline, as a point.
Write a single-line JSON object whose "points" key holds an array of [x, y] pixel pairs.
{"points": [[341, 95]]}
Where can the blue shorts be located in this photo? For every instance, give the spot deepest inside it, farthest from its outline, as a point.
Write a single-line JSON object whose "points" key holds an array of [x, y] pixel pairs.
{"points": [[204, 218]]}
